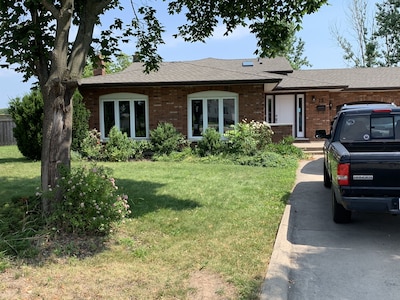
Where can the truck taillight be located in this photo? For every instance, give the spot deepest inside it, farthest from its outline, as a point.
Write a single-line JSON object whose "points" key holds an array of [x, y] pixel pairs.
{"points": [[343, 174]]}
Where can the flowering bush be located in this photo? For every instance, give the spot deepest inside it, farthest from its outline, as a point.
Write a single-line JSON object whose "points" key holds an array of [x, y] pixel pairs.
{"points": [[90, 202], [91, 146], [249, 138]]}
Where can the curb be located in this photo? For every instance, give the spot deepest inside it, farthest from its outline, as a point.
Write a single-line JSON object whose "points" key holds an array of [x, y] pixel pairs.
{"points": [[276, 282]]}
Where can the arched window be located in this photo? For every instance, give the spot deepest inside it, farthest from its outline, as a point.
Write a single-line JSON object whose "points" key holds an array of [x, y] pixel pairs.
{"points": [[127, 111], [211, 109]]}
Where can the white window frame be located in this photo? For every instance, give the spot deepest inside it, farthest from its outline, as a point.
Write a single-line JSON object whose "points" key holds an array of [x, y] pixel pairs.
{"points": [[211, 95], [132, 98]]}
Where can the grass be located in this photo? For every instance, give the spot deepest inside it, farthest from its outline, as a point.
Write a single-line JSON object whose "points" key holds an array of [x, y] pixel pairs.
{"points": [[216, 221]]}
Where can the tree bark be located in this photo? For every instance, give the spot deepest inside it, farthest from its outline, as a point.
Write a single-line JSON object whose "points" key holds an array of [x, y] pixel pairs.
{"points": [[57, 137]]}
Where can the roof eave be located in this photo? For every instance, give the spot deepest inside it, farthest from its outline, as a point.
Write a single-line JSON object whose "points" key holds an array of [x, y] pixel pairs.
{"points": [[180, 83]]}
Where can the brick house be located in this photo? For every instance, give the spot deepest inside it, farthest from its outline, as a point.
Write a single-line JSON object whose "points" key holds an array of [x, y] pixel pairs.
{"points": [[194, 95]]}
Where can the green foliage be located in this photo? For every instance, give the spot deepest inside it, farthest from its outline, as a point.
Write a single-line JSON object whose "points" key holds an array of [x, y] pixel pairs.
{"points": [[286, 148], [92, 147], [272, 29], [21, 221], [387, 30], [119, 146], [80, 122], [27, 114], [140, 149], [266, 159], [90, 202], [4, 261], [184, 155], [165, 139], [211, 143], [249, 138], [118, 64]]}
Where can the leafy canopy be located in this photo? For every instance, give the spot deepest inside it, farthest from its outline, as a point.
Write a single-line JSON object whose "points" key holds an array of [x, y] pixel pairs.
{"points": [[31, 30]]}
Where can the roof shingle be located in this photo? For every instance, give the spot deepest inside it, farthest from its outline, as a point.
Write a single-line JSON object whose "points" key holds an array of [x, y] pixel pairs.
{"points": [[204, 70]]}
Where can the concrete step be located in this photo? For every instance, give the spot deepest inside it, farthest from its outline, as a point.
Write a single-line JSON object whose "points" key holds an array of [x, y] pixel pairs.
{"points": [[313, 147]]}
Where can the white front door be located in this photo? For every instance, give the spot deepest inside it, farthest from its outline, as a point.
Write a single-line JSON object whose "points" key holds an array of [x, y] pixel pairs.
{"points": [[285, 110]]}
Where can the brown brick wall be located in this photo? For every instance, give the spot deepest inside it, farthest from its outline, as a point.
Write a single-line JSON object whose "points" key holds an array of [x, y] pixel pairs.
{"points": [[281, 131], [169, 104], [322, 119]]}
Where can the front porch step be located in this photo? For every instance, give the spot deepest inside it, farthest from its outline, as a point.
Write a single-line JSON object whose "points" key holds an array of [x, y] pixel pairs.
{"points": [[312, 148]]}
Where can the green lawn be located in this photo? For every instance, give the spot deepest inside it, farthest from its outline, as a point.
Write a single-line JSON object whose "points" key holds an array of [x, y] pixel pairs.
{"points": [[195, 229]]}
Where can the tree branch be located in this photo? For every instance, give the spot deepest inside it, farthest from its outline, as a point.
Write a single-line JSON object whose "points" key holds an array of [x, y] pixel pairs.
{"points": [[84, 36], [51, 8]]}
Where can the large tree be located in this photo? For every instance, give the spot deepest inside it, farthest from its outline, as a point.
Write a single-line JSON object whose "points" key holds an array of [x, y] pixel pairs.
{"points": [[362, 49], [37, 35], [388, 31]]}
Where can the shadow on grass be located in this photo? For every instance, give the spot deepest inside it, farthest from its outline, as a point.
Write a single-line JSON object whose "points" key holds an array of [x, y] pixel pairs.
{"points": [[14, 186], [24, 233], [143, 198], [15, 160]]}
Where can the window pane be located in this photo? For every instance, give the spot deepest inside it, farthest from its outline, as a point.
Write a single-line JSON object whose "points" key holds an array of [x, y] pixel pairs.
{"points": [[355, 128], [109, 117], [212, 114], [270, 110], [229, 113], [300, 114], [125, 117], [140, 119], [197, 117], [382, 127]]}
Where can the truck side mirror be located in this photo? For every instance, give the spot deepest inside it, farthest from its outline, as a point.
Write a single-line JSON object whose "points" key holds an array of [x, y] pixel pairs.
{"points": [[321, 134]]}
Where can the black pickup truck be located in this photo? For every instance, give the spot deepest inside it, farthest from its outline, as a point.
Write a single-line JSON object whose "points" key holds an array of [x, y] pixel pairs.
{"points": [[362, 160]]}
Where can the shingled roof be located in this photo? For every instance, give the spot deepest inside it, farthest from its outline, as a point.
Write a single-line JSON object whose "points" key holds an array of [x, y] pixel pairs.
{"points": [[204, 71], [225, 71], [351, 78]]}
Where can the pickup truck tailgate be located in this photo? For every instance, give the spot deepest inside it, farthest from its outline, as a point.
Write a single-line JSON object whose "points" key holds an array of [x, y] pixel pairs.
{"points": [[379, 170]]}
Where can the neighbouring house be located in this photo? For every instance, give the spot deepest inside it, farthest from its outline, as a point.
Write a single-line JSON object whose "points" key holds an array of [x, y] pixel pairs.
{"points": [[217, 93]]}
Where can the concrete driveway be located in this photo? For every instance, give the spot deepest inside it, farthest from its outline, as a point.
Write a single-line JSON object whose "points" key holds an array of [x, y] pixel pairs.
{"points": [[314, 258]]}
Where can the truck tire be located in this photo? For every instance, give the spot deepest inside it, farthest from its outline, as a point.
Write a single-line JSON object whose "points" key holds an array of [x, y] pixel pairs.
{"points": [[339, 213], [327, 179]]}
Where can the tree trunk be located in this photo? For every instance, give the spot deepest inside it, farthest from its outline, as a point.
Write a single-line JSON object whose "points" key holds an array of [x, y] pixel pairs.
{"points": [[57, 137]]}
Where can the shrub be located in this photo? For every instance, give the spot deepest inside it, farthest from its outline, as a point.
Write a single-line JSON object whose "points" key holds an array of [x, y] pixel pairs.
{"points": [[140, 148], [80, 122], [119, 146], [286, 148], [165, 139], [211, 143], [91, 146], [266, 159], [27, 114], [90, 201], [249, 138]]}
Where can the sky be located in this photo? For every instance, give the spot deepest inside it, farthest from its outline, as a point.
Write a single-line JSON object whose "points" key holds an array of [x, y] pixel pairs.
{"points": [[321, 49]]}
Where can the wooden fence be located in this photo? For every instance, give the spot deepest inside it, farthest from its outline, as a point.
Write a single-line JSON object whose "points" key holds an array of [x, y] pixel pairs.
{"points": [[6, 131]]}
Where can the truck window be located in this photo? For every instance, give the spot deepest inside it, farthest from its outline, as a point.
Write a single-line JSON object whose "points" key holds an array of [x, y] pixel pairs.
{"points": [[355, 128], [382, 127], [374, 127]]}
